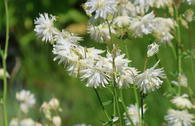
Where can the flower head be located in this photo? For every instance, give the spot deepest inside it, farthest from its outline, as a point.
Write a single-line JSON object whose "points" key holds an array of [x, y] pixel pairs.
{"points": [[101, 8], [152, 49], [182, 101], [26, 99], [44, 27], [150, 79], [179, 118]]}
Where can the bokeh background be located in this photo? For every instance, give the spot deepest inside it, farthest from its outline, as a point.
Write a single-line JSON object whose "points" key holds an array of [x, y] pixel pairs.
{"points": [[31, 65]]}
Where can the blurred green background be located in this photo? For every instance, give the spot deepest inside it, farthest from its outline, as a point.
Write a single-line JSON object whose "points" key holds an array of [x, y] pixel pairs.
{"points": [[31, 65]]}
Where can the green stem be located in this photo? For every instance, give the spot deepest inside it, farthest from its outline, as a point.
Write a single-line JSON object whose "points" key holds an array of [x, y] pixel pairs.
{"points": [[4, 58], [142, 108], [178, 37], [115, 95], [101, 104]]}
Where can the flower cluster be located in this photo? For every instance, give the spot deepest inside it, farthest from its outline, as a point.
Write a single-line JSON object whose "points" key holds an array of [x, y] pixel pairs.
{"points": [[180, 117], [50, 110], [128, 17], [26, 99]]}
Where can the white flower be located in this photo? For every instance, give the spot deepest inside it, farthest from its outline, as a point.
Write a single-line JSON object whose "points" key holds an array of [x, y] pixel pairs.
{"points": [[122, 21], [27, 122], [142, 25], [44, 27], [152, 49], [26, 99], [162, 29], [126, 76], [101, 32], [134, 113], [182, 80], [56, 121], [179, 118], [96, 75], [54, 103], [14, 122], [119, 60], [102, 8], [150, 79], [182, 101]]}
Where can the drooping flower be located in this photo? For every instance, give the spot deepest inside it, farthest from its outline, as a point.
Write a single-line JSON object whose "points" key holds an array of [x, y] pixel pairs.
{"points": [[150, 79], [101, 8], [96, 75], [162, 29], [126, 77], [134, 113], [26, 99], [142, 25], [44, 27], [152, 49], [179, 118], [182, 101]]}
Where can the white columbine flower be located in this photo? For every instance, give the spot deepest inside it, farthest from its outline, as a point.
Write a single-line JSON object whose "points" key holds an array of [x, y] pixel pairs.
{"points": [[162, 29], [179, 118], [44, 27], [26, 99], [142, 25], [102, 8], [96, 75], [134, 113], [182, 101], [152, 49], [126, 77], [101, 32], [150, 79]]}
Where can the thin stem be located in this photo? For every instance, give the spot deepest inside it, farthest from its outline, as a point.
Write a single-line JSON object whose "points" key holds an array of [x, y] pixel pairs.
{"points": [[142, 107], [4, 58], [101, 104], [178, 37]]}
